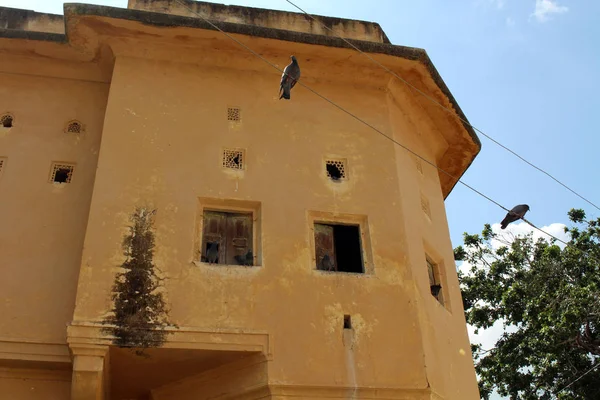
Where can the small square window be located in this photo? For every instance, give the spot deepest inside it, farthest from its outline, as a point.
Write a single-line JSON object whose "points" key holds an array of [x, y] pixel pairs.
{"points": [[227, 238], [233, 159], [338, 248], [435, 284], [61, 173], [335, 169], [6, 121], [234, 114]]}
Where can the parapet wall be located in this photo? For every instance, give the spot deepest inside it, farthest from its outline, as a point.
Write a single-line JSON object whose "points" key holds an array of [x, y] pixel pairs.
{"points": [[27, 20], [298, 22]]}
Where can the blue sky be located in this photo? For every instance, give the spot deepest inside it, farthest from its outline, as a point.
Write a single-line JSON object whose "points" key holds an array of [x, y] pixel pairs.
{"points": [[523, 71]]}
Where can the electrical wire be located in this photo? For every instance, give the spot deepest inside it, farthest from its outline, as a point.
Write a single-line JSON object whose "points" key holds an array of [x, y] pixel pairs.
{"points": [[444, 107], [369, 125], [584, 374]]}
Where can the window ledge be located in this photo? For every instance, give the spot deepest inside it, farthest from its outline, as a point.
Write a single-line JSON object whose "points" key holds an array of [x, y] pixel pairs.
{"points": [[226, 266], [440, 305], [354, 274]]}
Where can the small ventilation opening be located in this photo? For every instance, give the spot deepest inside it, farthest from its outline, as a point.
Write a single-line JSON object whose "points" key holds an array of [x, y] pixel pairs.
{"points": [[336, 170], [233, 114], [61, 173], [338, 248], [233, 159], [347, 322], [6, 121], [74, 127]]}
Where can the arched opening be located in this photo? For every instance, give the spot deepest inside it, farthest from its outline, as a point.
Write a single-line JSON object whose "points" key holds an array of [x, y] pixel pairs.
{"points": [[74, 127]]}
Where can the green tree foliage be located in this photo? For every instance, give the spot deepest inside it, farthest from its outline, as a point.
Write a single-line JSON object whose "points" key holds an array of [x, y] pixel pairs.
{"points": [[139, 316], [550, 298]]}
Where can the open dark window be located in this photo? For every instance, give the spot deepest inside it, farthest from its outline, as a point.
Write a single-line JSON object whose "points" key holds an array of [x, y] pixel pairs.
{"points": [[434, 280], [227, 238], [338, 248]]}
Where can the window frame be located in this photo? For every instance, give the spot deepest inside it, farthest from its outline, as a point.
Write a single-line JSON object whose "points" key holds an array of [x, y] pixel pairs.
{"points": [[227, 222], [251, 208], [361, 221], [433, 274], [433, 257]]}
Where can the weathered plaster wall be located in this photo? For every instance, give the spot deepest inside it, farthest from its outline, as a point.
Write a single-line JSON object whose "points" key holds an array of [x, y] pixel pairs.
{"points": [[447, 349], [162, 136], [165, 150], [43, 224], [176, 139], [24, 384]]}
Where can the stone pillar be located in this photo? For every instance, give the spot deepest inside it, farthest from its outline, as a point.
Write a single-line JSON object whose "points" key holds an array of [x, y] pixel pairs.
{"points": [[88, 372]]}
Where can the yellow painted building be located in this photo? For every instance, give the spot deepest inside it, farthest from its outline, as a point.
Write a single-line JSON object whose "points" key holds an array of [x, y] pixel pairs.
{"points": [[103, 110]]}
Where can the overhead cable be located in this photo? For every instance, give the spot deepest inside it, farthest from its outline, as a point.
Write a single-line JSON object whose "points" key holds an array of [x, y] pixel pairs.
{"points": [[464, 120]]}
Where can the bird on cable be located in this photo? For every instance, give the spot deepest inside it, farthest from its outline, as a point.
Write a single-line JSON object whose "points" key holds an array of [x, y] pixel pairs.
{"points": [[291, 75], [515, 214]]}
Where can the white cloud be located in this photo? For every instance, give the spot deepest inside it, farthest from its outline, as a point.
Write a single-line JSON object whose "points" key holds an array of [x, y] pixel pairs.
{"points": [[487, 338], [520, 229], [544, 8]]}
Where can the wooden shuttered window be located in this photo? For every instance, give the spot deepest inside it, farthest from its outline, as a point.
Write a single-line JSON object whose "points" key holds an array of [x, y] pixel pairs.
{"points": [[324, 244], [231, 231]]}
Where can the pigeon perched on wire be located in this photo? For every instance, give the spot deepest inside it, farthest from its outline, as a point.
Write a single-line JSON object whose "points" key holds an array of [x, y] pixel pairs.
{"points": [[212, 253], [515, 214], [291, 75]]}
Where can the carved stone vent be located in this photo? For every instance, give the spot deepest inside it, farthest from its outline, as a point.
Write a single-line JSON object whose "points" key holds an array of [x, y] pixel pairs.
{"points": [[6, 121], [233, 159], [336, 169], [61, 173], [74, 127], [234, 114]]}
